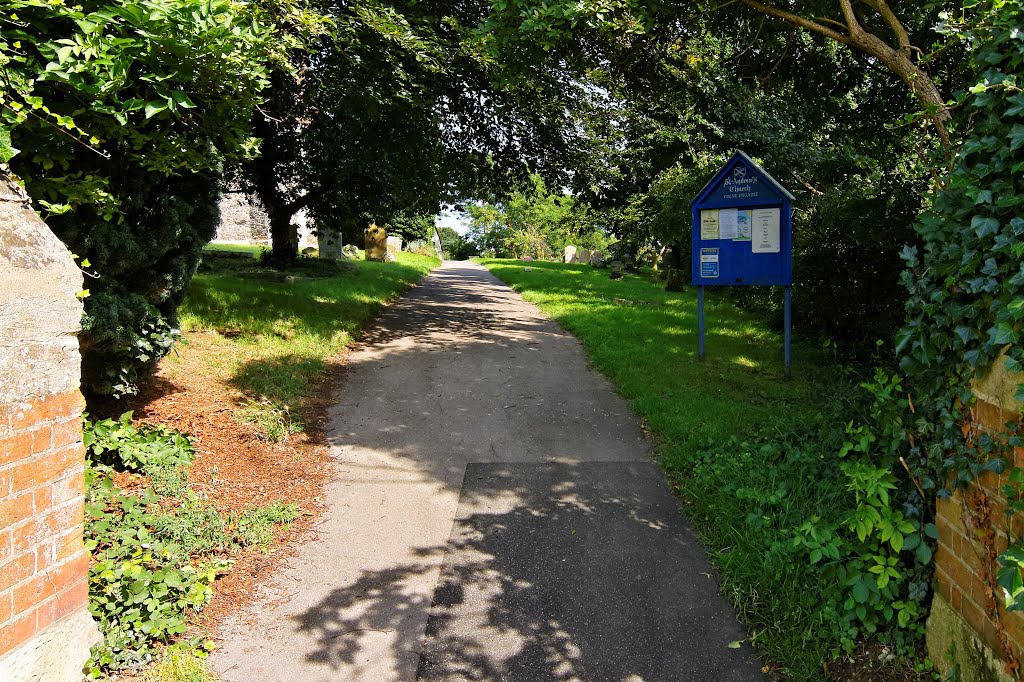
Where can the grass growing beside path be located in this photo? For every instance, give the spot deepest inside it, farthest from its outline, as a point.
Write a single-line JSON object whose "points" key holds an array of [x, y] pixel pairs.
{"points": [[252, 374], [645, 340], [274, 339], [753, 455]]}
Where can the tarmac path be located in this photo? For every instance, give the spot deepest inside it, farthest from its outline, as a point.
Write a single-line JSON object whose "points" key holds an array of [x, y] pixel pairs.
{"points": [[495, 514]]}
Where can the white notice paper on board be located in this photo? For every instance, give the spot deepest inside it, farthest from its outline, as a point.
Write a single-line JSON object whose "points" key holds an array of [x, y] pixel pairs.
{"points": [[727, 223], [766, 230], [709, 224]]}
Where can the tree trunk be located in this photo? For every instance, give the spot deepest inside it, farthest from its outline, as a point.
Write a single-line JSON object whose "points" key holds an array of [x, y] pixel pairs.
{"points": [[284, 237], [677, 256], [263, 174]]}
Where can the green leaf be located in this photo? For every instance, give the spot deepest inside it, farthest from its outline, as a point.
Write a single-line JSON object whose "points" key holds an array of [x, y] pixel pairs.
{"points": [[155, 107], [182, 100], [1016, 137], [984, 226], [861, 592], [7, 152], [1002, 334]]}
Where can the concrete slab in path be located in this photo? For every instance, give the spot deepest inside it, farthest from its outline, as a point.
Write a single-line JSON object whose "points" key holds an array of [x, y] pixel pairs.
{"points": [[562, 557]]}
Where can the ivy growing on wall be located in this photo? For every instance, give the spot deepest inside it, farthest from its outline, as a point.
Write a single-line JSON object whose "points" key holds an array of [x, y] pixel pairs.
{"points": [[966, 284]]}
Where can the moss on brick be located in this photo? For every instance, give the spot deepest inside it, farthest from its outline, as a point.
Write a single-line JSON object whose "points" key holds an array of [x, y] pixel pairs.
{"points": [[953, 644]]}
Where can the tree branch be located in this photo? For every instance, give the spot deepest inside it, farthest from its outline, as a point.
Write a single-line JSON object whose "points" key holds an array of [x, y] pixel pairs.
{"points": [[305, 200], [810, 25], [894, 24], [852, 25], [826, 20]]}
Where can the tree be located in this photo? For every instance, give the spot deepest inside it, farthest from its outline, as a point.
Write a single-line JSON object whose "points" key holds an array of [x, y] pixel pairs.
{"points": [[126, 113], [395, 109], [348, 131], [412, 227], [454, 245], [861, 24], [536, 222]]}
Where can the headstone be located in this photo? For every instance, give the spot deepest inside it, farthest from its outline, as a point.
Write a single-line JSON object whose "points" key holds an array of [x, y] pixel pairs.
{"points": [[528, 259], [617, 269], [394, 246], [595, 256], [329, 244], [675, 280], [376, 242], [350, 251], [583, 255], [570, 254]]}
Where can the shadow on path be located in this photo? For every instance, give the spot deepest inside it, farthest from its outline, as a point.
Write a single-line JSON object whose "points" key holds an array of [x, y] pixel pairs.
{"points": [[556, 572]]}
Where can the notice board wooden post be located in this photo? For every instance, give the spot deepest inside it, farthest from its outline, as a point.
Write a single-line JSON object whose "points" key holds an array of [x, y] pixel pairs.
{"points": [[742, 235]]}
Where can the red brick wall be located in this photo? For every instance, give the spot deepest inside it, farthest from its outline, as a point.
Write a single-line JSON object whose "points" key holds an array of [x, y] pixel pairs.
{"points": [[972, 532], [43, 565]]}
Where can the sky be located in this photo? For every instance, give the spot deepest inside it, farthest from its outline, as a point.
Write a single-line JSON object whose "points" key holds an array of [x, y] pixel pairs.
{"points": [[453, 219]]}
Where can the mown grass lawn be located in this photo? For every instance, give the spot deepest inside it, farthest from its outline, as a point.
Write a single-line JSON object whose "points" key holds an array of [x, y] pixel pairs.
{"points": [[744, 447], [231, 247]]}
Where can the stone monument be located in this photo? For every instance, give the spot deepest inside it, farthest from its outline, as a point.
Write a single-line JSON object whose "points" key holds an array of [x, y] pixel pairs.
{"points": [[376, 242]]}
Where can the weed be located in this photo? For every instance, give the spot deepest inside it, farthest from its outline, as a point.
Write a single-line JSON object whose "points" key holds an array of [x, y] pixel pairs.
{"points": [[156, 554], [275, 421], [256, 527], [179, 664]]}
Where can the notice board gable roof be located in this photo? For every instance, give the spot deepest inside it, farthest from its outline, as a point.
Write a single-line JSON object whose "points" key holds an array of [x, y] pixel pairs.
{"points": [[741, 157]]}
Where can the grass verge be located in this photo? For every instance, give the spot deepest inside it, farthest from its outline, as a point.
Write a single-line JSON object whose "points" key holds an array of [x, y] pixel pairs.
{"points": [[645, 340], [169, 513], [754, 456], [275, 338]]}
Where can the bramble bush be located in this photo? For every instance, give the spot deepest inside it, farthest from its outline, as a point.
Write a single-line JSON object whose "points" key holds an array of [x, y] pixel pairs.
{"points": [[823, 508]]}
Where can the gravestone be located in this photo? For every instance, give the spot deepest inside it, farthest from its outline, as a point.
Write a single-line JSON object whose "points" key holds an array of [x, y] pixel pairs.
{"points": [[617, 268], [583, 256], [570, 254], [376, 242], [394, 246], [350, 251], [675, 280], [329, 244]]}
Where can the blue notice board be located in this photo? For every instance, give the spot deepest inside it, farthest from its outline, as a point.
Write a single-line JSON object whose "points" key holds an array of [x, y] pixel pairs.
{"points": [[742, 228], [742, 235]]}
